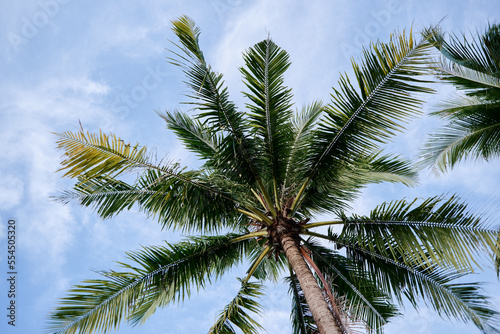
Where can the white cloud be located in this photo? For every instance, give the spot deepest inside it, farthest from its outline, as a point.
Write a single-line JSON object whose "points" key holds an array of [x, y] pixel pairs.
{"points": [[32, 111], [12, 190], [48, 231]]}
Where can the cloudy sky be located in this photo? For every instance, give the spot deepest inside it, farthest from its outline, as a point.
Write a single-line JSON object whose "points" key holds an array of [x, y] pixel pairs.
{"points": [[102, 63]]}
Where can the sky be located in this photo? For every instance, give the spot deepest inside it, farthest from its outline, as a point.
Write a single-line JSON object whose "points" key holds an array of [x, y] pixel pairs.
{"points": [[103, 64]]}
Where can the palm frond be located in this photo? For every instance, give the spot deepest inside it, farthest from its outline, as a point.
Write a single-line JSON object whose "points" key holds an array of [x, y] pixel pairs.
{"points": [[99, 154], [196, 136], [303, 124], [270, 104], [90, 155], [235, 313], [479, 54], [357, 120], [376, 168], [472, 132], [269, 268], [440, 288], [160, 275], [238, 154], [472, 66], [196, 205], [465, 78], [385, 168], [436, 231]]}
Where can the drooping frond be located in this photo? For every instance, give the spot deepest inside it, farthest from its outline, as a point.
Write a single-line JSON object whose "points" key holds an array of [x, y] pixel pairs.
{"points": [[359, 119], [479, 54], [267, 268], [236, 312], [385, 168], [440, 288], [158, 276], [473, 130], [436, 231]]}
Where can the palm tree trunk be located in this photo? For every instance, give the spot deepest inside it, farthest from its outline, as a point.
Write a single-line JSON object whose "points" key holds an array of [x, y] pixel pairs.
{"points": [[322, 315]]}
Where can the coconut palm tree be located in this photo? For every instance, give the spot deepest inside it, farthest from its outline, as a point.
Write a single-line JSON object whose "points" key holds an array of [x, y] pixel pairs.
{"points": [[473, 118], [266, 173]]}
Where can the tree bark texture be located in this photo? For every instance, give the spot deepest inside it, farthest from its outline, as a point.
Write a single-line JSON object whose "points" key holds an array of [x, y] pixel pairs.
{"points": [[319, 308]]}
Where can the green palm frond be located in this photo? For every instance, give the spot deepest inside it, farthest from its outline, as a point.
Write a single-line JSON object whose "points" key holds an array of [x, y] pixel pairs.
{"points": [[479, 54], [170, 199], [358, 119], [473, 131], [303, 124], [270, 104], [216, 110], [376, 168], [160, 275], [235, 313], [440, 288], [266, 268], [196, 136], [195, 206], [436, 231], [386, 168], [465, 78], [107, 195]]}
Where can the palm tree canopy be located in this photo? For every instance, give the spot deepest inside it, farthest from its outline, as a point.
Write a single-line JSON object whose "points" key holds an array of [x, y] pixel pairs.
{"points": [[266, 171], [473, 118]]}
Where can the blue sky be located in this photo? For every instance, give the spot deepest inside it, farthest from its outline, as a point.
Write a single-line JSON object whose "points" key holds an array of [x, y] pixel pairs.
{"points": [[103, 63]]}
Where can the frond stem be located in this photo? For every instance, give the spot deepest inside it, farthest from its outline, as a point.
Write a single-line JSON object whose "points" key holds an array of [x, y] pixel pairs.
{"points": [[257, 262], [325, 223], [255, 214], [249, 236]]}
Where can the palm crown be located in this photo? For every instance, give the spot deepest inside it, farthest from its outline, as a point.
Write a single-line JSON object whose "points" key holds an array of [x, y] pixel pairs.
{"points": [[473, 119], [265, 173]]}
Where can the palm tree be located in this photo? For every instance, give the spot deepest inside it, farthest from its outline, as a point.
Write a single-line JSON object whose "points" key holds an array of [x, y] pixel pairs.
{"points": [[265, 174], [473, 119]]}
